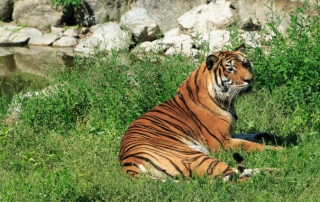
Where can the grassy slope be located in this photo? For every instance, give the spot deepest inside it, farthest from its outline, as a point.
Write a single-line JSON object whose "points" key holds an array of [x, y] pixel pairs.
{"points": [[51, 157]]}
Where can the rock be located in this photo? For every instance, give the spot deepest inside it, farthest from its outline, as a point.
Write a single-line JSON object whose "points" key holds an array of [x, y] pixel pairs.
{"points": [[107, 37], [65, 41], [39, 13], [165, 13], [175, 42], [18, 39], [91, 12], [150, 47], [252, 39], [140, 24], [213, 41], [4, 36], [11, 27], [6, 8], [206, 18], [260, 12], [30, 32], [9, 38], [250, 26], [71, 32], [44, 40], [57, 30]]}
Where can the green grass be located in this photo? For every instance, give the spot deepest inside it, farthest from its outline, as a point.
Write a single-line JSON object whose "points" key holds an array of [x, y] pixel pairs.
{"points": [[65, 146]]}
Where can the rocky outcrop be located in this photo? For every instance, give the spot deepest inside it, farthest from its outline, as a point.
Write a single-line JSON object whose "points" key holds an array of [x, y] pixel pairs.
{"points": [[12, 35], [206, 18], [200, 24], [6, 8], [165, 13], [38, 13], [92, 12], [140, 24]]}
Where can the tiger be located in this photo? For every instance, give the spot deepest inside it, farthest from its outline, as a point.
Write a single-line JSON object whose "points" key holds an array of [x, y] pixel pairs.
{"points": [[176, 137]]}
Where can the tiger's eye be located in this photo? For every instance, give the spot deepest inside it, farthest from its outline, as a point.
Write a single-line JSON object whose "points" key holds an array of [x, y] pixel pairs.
{"points": [[246, 65]]}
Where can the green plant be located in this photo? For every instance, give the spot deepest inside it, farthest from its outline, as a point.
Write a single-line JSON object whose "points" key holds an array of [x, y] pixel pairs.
{"points": [[21, 24], [66, 3]]}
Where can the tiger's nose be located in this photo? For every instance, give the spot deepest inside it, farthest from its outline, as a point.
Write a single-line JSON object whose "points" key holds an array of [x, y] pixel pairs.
{"points": [[248, 79]]}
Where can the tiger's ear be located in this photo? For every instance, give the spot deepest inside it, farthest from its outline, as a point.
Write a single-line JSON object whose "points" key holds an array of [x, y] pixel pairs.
{"points": [[211, 59], [241, 48]]}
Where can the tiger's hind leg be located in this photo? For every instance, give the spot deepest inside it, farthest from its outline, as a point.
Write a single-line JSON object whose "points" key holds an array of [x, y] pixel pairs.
{"points": [[185, 162]]}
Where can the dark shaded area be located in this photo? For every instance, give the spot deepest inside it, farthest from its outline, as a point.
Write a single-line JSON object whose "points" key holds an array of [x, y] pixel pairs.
{"points": [[84, 15]]}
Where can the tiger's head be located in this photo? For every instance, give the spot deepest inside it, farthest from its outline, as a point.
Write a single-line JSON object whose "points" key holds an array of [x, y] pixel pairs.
{"points": [[230, 74]]}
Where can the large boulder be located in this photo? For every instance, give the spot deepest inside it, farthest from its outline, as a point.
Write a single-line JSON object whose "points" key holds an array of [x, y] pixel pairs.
{"points": [[206, 18], [140, 24], [91, 12], [39, 13], [6, 8], [105, 37], [165, 12]]}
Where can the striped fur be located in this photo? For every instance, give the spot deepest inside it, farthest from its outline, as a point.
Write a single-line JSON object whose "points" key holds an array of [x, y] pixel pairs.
{"points": [[175, 138]]}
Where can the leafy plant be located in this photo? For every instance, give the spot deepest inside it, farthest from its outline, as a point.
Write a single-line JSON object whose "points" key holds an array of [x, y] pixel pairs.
{"points": [[66, 3]]}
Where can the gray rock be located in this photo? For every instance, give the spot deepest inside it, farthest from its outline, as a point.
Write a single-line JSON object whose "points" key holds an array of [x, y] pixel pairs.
{"points": [[57, 30], [38, 13], [30, 32], [260, 11], [71, 32], [213, 41], [178, 43], [4, 36], [150, 47], [17, 39], [44, 40], [8, 38], [165, 12], [140, 24], [206, 18], [107, 37], [91, 12], [11, 27], [6, 8], [65, 41]]}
